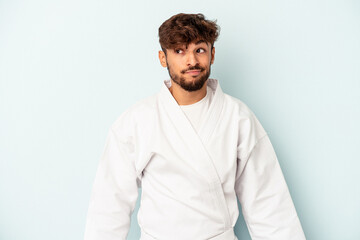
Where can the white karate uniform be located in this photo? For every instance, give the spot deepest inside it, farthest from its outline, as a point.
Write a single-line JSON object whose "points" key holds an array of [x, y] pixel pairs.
{"points": [[196, 112], [190, 177]]}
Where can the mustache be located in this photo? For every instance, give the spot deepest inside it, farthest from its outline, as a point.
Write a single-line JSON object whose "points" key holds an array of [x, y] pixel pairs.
{"points": [[196, 67]]}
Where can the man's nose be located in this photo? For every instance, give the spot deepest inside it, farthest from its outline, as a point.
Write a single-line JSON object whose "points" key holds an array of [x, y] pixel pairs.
{"points": [[192, 59]]}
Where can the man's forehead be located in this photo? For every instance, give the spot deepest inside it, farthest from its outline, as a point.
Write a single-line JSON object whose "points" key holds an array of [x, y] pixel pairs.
{"points": [[196, 42]]}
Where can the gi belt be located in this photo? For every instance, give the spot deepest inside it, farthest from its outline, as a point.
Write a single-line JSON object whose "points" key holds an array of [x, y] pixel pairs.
{"points": [[227, 235]]}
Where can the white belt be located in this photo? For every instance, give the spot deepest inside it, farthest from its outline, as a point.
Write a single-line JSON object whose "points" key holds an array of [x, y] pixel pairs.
{"points": [[227, 235]]}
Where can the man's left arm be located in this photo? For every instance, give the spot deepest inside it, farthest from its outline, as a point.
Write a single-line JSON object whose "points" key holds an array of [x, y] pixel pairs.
{"points": [[266, 203]]}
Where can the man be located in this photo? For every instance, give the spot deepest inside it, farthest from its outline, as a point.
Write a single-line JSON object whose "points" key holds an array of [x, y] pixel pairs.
{"points": [[193, 150]]}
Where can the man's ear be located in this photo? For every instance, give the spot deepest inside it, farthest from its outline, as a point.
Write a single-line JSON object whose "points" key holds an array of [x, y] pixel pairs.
{"points": [[212, 55], [162, 58]]}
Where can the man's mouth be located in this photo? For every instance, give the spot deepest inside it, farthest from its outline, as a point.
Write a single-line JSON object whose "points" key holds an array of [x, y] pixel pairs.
{"points": [[193, 72]]}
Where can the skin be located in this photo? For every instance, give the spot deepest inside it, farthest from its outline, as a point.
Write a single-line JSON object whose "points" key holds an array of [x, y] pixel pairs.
{"points": [[188, 88]]}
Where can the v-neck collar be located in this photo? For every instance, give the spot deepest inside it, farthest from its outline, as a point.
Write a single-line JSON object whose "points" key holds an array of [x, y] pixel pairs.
{"points": [[212, 115]]}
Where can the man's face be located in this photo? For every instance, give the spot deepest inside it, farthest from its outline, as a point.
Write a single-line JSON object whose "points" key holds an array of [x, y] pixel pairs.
{"points": [[189, 67]]}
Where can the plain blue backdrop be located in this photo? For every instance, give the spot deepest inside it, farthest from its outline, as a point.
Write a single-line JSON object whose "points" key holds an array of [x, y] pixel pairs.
{"points": [[69, 68]]}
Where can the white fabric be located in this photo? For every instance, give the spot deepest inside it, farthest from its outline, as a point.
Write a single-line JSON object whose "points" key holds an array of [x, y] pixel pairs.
{"points": [[227, 235], [190, 180], [196, 112]]}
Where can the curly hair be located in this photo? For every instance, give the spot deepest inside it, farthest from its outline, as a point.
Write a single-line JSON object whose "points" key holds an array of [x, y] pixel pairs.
{"points": [[184, 28]]}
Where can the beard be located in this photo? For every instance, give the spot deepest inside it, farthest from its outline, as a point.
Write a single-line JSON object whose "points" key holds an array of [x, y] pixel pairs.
{"points": [[191, 85]]}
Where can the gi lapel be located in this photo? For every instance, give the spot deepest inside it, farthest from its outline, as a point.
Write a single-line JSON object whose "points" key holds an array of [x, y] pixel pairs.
{"points": [[197, 141], [212, 115]]}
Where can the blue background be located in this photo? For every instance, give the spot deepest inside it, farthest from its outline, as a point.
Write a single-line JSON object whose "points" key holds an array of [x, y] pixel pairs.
{"points": [[69, 68]]}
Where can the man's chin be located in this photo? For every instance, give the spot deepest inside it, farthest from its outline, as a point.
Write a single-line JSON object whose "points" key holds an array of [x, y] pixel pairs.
{"points": [[194, 79], [193, 84]]}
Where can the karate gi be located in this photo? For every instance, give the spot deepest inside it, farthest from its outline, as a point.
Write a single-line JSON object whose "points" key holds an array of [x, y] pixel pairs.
{"points": [[190, 179]]}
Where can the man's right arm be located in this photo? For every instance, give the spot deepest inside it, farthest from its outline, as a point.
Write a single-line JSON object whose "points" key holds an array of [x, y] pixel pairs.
{"points": [[114, 192]]}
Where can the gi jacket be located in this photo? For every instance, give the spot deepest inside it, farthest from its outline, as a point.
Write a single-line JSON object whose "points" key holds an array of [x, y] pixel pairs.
{"points": [[190, 180]]}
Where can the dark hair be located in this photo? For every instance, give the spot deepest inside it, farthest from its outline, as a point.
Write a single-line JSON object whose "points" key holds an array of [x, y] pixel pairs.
{"points": [[185, 28]]}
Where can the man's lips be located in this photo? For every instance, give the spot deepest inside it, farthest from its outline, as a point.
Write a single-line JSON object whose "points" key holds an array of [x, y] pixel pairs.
{"points": [[193, 72]]}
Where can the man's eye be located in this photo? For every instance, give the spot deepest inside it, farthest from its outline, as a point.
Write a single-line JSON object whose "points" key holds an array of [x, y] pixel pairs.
{"points": [[200, 50], [178, 51]]}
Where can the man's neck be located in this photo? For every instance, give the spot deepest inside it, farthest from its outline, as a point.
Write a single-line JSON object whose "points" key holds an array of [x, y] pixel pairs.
{"points": [[184, 97]]}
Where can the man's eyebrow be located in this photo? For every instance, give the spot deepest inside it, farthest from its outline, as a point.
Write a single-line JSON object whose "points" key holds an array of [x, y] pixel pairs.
{"points": [[200, 41], [181, 46]]}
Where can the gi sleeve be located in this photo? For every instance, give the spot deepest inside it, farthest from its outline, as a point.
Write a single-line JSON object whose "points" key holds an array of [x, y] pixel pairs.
{"points": [[266, 203], [114, 192]]}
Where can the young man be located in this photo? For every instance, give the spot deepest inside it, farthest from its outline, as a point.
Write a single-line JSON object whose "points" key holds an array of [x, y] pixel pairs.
{"points": [[193, 150]]}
